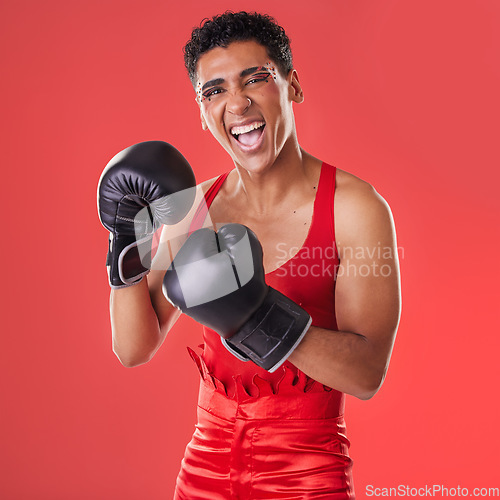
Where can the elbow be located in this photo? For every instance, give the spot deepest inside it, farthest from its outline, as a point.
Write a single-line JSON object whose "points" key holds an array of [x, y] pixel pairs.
{"points": [[130, 363], [131, 360], [366, 395], [370, 386]]}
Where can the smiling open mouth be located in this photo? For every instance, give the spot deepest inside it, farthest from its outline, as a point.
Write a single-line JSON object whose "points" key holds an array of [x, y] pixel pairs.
{"points": [[248, 135]]}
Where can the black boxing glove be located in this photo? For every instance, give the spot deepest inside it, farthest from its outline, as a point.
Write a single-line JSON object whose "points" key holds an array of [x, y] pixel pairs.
{"points": [[218, 279], [141, 188]]}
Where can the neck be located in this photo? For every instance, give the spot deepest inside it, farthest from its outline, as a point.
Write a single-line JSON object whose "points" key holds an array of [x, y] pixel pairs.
{"points": [[264, 192]]}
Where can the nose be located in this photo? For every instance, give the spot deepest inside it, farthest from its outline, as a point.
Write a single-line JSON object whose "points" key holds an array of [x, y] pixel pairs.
{"points": [[237, 103]]}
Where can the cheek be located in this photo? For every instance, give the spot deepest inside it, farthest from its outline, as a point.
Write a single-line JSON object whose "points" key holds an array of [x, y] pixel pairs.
{"points": [[212, 112], [217, 129], [272, 90], [276, 96]]}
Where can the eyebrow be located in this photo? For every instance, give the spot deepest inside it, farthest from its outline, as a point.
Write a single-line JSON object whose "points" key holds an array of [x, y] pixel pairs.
{"points": [[245, 72]]}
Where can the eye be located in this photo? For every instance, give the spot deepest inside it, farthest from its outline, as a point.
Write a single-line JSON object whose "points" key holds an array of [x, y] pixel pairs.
{"points": [[212, 92], [260, 77], [256, 80]]}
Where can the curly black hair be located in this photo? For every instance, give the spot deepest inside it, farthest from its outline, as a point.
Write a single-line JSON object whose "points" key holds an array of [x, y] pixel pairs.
{"points": [[229, 27]]}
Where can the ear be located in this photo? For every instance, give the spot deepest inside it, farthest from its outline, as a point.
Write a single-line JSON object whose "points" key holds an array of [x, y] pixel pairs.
{"points": [[204, 125], [295, 90]]}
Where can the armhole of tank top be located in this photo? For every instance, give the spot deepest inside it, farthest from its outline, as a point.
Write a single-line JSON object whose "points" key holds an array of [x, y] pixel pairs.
{"points": [[332, 198], [334, 239]]}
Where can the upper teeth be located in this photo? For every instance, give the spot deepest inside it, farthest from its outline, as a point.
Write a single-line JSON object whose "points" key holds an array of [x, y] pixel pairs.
{"points": [[246, 128]]}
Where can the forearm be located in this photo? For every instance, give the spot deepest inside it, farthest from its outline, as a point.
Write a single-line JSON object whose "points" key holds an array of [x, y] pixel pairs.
{"points": [[345, 361], [134, 323]]}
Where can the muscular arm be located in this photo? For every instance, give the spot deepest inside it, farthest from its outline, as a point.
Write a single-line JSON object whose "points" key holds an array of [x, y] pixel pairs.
{"points": [[140, 319], [355, 359]]}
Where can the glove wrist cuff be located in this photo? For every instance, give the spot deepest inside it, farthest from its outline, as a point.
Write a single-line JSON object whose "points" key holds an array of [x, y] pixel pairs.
{"points": [[128, 260], [272, 332]]}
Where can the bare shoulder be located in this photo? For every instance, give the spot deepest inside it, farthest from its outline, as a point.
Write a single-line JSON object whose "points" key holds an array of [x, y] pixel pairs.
{"points": [[361, 213], [206, 185], [356, 192]]}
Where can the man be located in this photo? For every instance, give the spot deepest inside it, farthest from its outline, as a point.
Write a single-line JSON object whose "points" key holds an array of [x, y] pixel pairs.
{"points": [[328, 245]]}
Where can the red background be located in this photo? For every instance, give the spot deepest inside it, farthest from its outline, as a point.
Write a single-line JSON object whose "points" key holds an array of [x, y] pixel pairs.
{"points": [[403, 94]]}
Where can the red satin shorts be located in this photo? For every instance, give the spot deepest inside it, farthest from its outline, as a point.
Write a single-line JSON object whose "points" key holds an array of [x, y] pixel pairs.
{"points": [[288, 445]]}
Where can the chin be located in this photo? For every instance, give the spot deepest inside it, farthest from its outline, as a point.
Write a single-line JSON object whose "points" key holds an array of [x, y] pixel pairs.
{"points": [[256, 164]]}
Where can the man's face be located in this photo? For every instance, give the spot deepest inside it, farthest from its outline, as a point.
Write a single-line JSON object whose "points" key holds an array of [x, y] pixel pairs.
{"points": [[246, 104]]}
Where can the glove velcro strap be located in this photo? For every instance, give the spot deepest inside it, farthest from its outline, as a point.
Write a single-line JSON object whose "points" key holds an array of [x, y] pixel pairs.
{"points": [[272, 332]]}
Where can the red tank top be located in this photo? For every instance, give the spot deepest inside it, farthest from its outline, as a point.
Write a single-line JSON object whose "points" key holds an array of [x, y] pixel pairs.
{"points": [[307, 277]]}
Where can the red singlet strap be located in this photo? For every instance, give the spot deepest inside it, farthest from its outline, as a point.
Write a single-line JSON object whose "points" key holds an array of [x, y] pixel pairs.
{"points": [[202, 211], [324, 206]]}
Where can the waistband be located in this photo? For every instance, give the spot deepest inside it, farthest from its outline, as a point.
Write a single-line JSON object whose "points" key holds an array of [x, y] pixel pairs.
{"points": [[295, 398]]}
